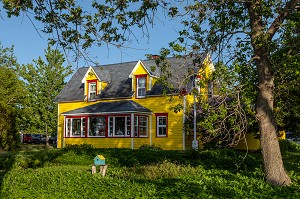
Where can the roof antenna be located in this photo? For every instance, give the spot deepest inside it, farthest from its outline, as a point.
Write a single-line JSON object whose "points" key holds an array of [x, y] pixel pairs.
{"points": [[121, 56]]}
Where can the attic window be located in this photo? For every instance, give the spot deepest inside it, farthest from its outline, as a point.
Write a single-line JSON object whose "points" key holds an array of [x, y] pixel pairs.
{"points": [[92, 90], [141, 86]]}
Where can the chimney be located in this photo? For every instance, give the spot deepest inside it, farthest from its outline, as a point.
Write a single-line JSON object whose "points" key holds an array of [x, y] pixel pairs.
{"points": [[153, 57]]}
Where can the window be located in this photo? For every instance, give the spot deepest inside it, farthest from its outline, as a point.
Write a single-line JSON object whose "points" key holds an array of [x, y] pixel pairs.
{"points": [[97, 126], [92, 91], [140, 126], [119, 126], [198, 83], [143, 126], [105, 126], [75, 127], [141, 86], [161, 124], [136, 126]]}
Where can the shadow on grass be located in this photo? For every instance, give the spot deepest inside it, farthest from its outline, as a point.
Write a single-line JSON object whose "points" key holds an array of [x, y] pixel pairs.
{"points": [[27, 156], [7, 160]]}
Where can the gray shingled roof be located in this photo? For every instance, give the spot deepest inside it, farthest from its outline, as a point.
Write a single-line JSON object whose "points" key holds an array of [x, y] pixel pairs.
{"points": [[74, 89], [124, 106], [119, 83]]}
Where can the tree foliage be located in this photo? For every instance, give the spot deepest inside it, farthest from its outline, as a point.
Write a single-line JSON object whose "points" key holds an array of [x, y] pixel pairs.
{"points": [[44, 80], [11, 100], [286, 60], [225, 116], [240, 32]]}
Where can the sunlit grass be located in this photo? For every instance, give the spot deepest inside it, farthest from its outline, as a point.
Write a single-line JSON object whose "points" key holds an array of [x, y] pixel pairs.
{"points": [[55, 173]]}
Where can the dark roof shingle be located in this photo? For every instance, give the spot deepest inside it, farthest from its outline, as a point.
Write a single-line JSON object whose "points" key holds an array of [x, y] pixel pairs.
{"points": [[124, 106], [119, 82]]}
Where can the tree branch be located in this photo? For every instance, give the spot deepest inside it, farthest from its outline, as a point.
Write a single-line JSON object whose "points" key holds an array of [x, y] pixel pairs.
{"points": [[281, 17]]}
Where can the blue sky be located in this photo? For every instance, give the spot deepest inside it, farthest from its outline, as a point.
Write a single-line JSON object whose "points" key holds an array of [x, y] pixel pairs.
{"points": [[29, 45]]}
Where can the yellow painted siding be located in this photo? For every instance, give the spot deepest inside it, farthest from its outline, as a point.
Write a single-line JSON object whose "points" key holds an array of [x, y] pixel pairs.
{"points": [[103, 85], [140, 70], [163, 105], [251, 143], [155, 104], [91, 76]]}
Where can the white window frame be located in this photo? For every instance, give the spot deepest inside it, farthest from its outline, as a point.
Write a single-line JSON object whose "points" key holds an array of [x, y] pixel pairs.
{"points": [[138, 87], [88, 129], [92, 91], [113, 127], [161, 125], [139, 122], [70, 128]]}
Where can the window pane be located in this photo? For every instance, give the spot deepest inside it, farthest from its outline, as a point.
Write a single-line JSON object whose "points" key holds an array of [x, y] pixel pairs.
{"points": [[161, 125], [92, 90], [162, 121], [83, 127], [135, 126], [68, 128], [111, 124], [92, 96], [128, 126], [141, 86], [143, 121], [97, 126], [142, 82], [93, 87], [143, 131], [141, 91], [162, 131], [119, 125], [76, 127]]}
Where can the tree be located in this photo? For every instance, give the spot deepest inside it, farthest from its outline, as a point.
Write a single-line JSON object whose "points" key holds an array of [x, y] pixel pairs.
{"points": [[286, 60], [242, 31], [224, 112], [44, 81], [11, 100]]}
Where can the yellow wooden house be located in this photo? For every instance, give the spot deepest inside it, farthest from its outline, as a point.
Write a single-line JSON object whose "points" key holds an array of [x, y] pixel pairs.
{"points": [[122, 105]]}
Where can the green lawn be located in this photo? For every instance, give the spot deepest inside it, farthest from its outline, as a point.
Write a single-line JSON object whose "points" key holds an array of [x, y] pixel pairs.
{"points": [[56, 173]]}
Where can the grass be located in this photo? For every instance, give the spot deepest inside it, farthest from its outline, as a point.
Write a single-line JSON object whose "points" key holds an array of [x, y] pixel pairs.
{"points": [[66, 173]]}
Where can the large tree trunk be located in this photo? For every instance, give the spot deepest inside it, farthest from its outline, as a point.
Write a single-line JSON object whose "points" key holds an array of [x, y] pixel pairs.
{"points": [[272, 159], [261, 41]]}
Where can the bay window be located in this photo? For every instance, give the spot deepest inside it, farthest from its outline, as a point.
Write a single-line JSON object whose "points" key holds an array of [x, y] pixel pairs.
{"points": [[106, 126]]}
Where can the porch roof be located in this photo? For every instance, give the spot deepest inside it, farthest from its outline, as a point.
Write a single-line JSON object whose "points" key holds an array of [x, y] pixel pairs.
{"points": [[102, 108]]}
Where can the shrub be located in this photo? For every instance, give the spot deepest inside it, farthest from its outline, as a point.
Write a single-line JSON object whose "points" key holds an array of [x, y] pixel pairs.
{"points": [[150, 147], [288, 146], [79, 146]]}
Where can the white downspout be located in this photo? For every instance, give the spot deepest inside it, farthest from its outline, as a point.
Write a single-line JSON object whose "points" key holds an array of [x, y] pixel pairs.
{"points": [[183, 121], [150, 130], [195, 141], [132, 130]]}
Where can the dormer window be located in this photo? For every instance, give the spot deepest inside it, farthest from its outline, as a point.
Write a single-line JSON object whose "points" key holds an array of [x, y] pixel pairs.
{"points": [[92, 90], [141, 86]]}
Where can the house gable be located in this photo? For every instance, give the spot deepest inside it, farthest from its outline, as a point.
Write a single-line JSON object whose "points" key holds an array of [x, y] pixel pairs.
{"points": [[142, 80], [92, 76]]}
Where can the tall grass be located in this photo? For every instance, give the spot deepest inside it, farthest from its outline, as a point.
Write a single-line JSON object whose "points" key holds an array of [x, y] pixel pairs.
{"points": [[144, 173]]}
